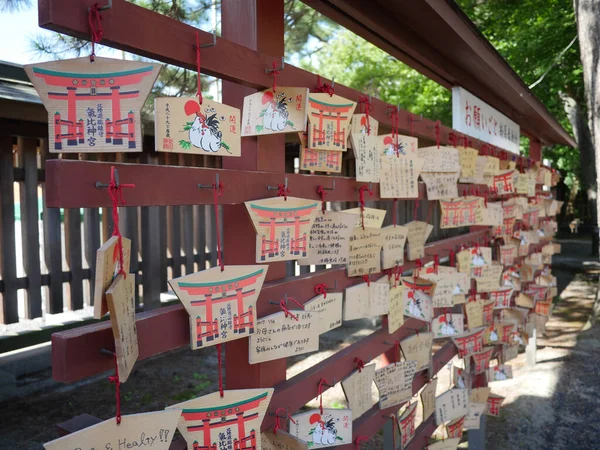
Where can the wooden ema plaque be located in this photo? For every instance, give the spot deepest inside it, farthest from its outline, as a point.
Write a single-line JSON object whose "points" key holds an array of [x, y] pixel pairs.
{"points": [[278, 336], [318, 160], [428, 398], [491, 215], [470, 343], [502, 297], [417, 298], [452, 404], [461, 212], [447, 325], [394, 239], [182, 125], [482, 360], [406, 423], [473, 419], [364, 256], [478, 175], [396, 308], [399, 175], [269, 112], [332, 428], [440, 185], [418, 348], [282, 227], [459, 377], [221, 304], [329, 119], [480, 395], [494, 402], [233, 421], [361, 123], [488, 311], [367, 300], [121, 304], [373, 217], [467, 158], [447, 444], [418, 233], [329, 308], [500, 372], [394, 383], [93, 107], [153, 430], [487, 277], [406, 145], [357, 389], [107, 268], [329, 239], [281, 441], [366, 154], [446, 281], [504, 182], [454, 429], [508, 253], [474, 313]]}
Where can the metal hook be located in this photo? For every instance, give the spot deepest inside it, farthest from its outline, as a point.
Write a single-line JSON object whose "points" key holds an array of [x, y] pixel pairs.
{"points": [[277, 69], [100, 185], [412, 119], [334, 288], [329, 385], [370, 187], [107, 352], [212, 44], [274, 188], [209, 186], [285, 299], [332, 82], [331, 189], [103, 8]]}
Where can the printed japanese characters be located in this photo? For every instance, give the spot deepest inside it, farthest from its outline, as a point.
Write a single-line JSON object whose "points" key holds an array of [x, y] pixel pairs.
{"points": [[328, 429], [329, 239], [282, 227], [153, 429], [221, 304], [217, 423], [93, 107], [329, 119], [182, 125], [269, 112]]}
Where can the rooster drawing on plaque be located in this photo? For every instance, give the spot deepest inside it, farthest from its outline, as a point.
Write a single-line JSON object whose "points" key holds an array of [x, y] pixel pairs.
{"points": [[477, 259], [493, 336], [324, 432], [275, 114], [500, 374], [392, 149], [414, 304], [447, 327], [204, 131], [460, 378]]}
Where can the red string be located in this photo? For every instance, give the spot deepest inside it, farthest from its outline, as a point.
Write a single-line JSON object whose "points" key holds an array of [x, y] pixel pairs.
{"points": [[217, 192], [321, 289], [418, 267], [452, 258], [287, 311], [115, 191], [359, 439], [115, 379], [416, 207], [283, 191], [452, 139], [394, 216], [436, 263], [320, 394], [396, 351], [199, 93], [367, 280], [324, 88], [277, 417], [220, 369], [95, 22], [397, 275], [364, 101], [274, 72], [437, 133], [361, 200], [395, 124], [430, 212], [322, 193], [360, 364]]}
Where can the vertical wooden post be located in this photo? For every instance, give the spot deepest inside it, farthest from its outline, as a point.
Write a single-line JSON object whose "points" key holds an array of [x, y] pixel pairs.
{"points": [[535, 150], [257, 24]]}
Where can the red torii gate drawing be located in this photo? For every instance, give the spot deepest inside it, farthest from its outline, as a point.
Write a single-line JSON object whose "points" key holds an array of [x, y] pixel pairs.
{"points": [[329, 113], [469, 344], [488, 312], [482, 360], [494, 402], [507, 333], [452, 212], [538, 293], [504, 183], [407, 425], [209, 328], [502, 298], [467, 212], [507, 255], [112, 81], [543, 308], [270, 246], [218, 417], [455, 430]]}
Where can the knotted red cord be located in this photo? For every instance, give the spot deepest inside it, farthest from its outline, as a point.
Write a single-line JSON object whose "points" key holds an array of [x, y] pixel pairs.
{"points": [[436, 263], [437, 133], [277, 417], [367, 279], [397, 275], [217, 192], [274, 72], [395, 123], [361, 200], [452, 258], [418, 267], [396, 351], [115, 191], [283, 191], [321, 192], [115, 379], [360, 364], [364, 101], [95, 22], [287, 311], [321, 289], [359, 439], [220, 369], [323, 88], [199, 92], [452, 139], [320, 394]]}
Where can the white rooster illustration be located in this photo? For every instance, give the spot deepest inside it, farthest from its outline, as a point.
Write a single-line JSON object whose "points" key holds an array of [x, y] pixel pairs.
{"points": [[324, 433], [390, 147], [204, 131], [275, 117], [414, 305], [447, 326]]}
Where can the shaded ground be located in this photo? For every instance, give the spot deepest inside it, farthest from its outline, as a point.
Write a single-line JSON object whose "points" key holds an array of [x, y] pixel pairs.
{"points": [[553, 405]]}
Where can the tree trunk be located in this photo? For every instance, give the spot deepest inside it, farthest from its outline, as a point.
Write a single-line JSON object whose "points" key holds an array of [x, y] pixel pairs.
{"points": [[587, 13]]}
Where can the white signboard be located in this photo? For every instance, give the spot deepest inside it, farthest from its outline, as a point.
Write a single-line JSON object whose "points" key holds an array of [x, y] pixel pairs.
{"points": [[476, 118]]}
